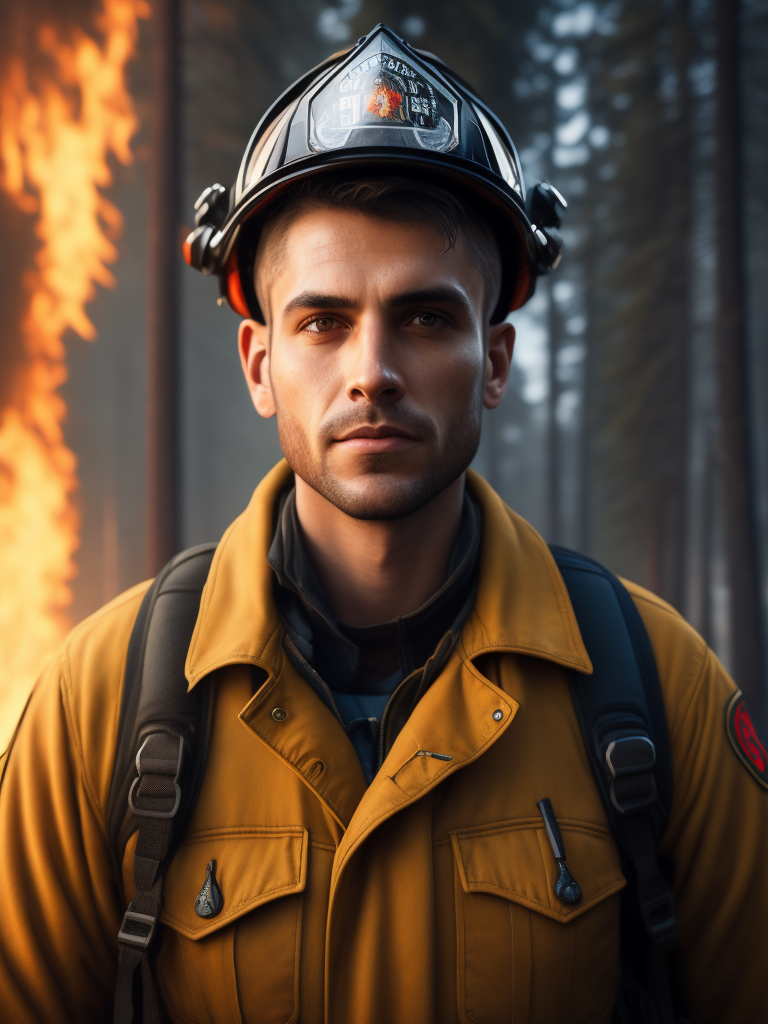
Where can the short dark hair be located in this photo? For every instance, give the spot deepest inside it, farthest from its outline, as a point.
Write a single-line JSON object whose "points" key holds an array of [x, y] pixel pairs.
{"points": [[393, 198]]}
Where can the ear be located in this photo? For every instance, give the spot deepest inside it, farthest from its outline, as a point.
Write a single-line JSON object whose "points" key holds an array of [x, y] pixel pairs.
{"points": [[501, 342], [252, 341]]}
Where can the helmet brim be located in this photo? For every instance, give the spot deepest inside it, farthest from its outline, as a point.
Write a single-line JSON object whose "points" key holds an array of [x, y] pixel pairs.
{"points": [[507, 217]]}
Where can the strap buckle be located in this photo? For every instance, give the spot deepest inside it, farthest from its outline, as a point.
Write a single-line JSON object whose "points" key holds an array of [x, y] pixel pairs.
{"points": [[159, 767], [660, 920], [629, 762], [137, 939]]}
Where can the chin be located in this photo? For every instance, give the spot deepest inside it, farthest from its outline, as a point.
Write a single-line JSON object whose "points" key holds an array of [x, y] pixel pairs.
{"points": [[381, 496], [383, 487]]}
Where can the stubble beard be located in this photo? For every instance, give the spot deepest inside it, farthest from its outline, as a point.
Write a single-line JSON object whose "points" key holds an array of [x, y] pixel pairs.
{"points": [[393, 496]]}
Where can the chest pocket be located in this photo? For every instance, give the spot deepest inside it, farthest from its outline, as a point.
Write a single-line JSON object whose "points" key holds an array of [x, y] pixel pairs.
{"points": [[522, 955], [246, 958]]}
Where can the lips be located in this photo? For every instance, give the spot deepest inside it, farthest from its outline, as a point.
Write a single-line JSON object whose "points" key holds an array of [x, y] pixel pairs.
{"points": [[381, 438], [376, 432]]}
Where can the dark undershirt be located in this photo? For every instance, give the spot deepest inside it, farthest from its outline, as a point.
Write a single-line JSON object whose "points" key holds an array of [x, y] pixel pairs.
{"points": [[361, 672]]}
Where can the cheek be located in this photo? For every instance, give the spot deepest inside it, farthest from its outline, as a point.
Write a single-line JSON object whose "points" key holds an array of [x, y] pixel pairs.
{"points": [[449, 381], [303, 382]]}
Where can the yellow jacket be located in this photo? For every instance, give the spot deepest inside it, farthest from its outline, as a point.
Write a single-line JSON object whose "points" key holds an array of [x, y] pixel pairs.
{"points": [[426, 897]]}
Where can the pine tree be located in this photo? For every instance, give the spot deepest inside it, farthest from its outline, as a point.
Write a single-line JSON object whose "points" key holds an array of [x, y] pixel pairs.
{"points": [[641, 360], [735, 446]]}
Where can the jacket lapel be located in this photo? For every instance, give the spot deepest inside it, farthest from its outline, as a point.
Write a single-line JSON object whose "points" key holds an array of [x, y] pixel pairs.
{"points": [[459, 717], [291, 720]]}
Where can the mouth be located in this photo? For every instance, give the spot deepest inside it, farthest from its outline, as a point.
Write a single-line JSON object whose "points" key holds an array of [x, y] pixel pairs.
{"points": [[380, 438]]}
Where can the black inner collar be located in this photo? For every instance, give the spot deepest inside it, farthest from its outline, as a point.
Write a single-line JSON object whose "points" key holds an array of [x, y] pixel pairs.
{"points": [[353, 659]]}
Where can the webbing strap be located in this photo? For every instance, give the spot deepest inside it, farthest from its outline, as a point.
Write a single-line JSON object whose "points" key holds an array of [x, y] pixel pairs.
{"points": [[166, 724], [621, 716], [154, 799], [155, 688]]}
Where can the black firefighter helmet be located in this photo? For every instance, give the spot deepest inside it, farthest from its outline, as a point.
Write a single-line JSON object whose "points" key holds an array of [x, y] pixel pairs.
{"points": [[380, 107]]}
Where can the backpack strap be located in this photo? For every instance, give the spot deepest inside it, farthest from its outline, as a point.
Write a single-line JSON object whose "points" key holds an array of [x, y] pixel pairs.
{"points": [[621, 714], [159, 763]]}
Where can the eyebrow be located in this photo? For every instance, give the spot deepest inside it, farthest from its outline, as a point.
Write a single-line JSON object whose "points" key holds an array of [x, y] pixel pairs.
{"points": [[443, 293], [318, 300]]}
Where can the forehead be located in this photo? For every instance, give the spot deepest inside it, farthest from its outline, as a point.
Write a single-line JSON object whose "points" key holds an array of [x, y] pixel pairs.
{"points": [[341, 251]]}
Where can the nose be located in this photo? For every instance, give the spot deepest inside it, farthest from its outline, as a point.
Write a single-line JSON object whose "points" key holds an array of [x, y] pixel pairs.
{"points": [[372, 374]]}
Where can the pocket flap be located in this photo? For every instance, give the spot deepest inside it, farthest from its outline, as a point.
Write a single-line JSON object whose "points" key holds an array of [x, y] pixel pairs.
{"points": [[515, 860], [253, 866]]}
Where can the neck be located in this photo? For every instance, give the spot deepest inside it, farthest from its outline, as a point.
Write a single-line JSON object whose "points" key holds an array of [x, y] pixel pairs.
{"points": [[376, 570]]}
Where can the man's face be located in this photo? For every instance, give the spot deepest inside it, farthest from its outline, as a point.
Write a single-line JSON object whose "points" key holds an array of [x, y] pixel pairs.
{"points": [[376, 358]]}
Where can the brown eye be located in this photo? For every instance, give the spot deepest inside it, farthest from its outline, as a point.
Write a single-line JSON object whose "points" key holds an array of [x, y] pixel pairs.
{"points": [[322, 325], [426, 319]]}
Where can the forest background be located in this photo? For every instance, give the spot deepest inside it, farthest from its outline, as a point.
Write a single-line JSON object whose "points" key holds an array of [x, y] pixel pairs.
{"points": [[635, 428]]}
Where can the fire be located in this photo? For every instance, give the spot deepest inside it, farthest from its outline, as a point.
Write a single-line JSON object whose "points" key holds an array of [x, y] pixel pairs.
{"points": [[385, 102], [55, 141]]}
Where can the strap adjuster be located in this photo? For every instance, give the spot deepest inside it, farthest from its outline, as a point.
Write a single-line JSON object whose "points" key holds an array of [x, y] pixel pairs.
{"points": [[660, 920], [629, 762], [140, 941], [156, 769]]}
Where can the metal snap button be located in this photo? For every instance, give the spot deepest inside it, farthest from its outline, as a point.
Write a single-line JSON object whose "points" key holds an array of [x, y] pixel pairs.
{"points": [[498, 714], [279, 714]]}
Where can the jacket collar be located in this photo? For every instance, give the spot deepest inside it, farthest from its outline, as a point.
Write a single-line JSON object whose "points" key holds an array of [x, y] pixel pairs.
{"points": [[522, 604]]}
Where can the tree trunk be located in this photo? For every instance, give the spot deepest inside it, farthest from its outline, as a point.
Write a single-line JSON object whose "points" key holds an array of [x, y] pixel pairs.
{"points": [[676, 518], [554, 516], [162, 440], [706, 544], [588, 394], [735, 455]]}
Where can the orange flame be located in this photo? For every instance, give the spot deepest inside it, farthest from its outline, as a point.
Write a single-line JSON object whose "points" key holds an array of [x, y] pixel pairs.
{"points": [[385, 102], [54, 147]]}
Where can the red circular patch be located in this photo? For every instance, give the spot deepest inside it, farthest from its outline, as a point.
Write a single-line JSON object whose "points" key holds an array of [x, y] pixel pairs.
{"points": [[744, 740], [747, 737]]}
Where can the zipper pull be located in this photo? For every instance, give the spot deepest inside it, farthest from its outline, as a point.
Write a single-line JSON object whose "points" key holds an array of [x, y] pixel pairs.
{"points": [[423, 753], [567, 888]]}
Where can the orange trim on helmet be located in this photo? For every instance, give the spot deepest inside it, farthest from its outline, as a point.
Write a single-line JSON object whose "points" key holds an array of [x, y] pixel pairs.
{"points": [[522, 288], [187, 249], [235, 293]]}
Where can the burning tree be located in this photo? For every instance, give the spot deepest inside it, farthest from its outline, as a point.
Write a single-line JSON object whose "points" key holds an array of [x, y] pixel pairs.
{"points": [[57, 131]]}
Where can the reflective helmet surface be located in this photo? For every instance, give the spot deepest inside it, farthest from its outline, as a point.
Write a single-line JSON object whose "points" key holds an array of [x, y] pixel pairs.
{"points": [[381, 107]]}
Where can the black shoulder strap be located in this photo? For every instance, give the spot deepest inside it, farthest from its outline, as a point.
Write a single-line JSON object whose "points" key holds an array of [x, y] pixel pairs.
{"points": [[620, 711], [159, 763]]}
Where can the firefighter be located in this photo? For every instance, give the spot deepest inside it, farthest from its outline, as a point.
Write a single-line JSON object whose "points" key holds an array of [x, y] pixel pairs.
{"points": [[398, 820]]}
